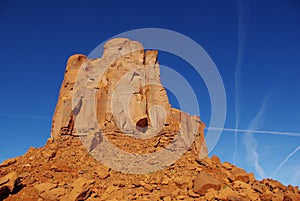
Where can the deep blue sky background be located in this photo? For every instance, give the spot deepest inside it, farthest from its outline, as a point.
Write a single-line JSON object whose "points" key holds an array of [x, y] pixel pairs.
{"points": [[37, 37]]}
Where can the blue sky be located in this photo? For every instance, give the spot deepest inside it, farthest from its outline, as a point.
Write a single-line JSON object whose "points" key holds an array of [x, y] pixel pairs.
{"points": [[254, 44]]}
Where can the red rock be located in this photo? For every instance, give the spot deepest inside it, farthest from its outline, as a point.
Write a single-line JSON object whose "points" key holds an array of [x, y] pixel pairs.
{"points": [[211, 194], [193, 194], [287, 198], [227, 165], [243, 177], [259, 187], [251, 177], [273, 184], [225, 192], [112, 192], [240, 185], [250, 193], [230, 176], [167, 198], [204, 181], [215, 160], [266, 196], [102, 171], [8, 162], [236, 198], [292, 197], [81, 189], [10, 183], [45, 187], [4, 180]]}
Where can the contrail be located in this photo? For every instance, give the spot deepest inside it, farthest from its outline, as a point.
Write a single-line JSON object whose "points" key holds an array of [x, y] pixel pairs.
{"points": [[285, 160], [251, 143], [292, 134], [241, 36], [296, 178]]}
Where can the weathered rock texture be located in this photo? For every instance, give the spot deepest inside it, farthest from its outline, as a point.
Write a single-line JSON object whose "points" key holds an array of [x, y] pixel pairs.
{"points": [[130, 99], [64, 169]]}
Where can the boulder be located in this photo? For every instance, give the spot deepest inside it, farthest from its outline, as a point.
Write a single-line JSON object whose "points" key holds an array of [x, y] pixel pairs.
{"points": [[215, 160], [43, 187], [10, 183], [102, 171], [204, 181], [80, 191], [291, 196], [8, 162], [112, 192], [267, 196]]}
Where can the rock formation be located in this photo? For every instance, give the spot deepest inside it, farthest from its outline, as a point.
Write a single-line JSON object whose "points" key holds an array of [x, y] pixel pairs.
{"points": [[118, 100], [119, 97]]}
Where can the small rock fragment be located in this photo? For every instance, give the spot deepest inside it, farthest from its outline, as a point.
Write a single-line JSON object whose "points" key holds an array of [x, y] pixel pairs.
{"points": [[215, 160], [102, 171], [43, 187]]}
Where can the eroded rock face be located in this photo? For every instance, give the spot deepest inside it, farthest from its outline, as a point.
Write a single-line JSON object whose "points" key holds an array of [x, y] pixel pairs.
{"points": [[130, 95], [62, 121], [129, 98]]}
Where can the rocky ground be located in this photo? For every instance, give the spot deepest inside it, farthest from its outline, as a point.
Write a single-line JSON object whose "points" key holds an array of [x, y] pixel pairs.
{"points": [[64, 170]]}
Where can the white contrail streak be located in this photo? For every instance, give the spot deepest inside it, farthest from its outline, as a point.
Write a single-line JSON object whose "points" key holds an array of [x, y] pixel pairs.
{"points": [[285, 160], [241, 36], [251, 143], [292, 134], [296, 178]]}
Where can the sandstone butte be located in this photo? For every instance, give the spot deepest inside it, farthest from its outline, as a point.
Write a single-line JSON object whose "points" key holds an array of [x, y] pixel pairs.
{"points": [[67, 167]]}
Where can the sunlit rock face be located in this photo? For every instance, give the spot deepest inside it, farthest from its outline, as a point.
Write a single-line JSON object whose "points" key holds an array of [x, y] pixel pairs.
{"points": [[130, 102]]}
